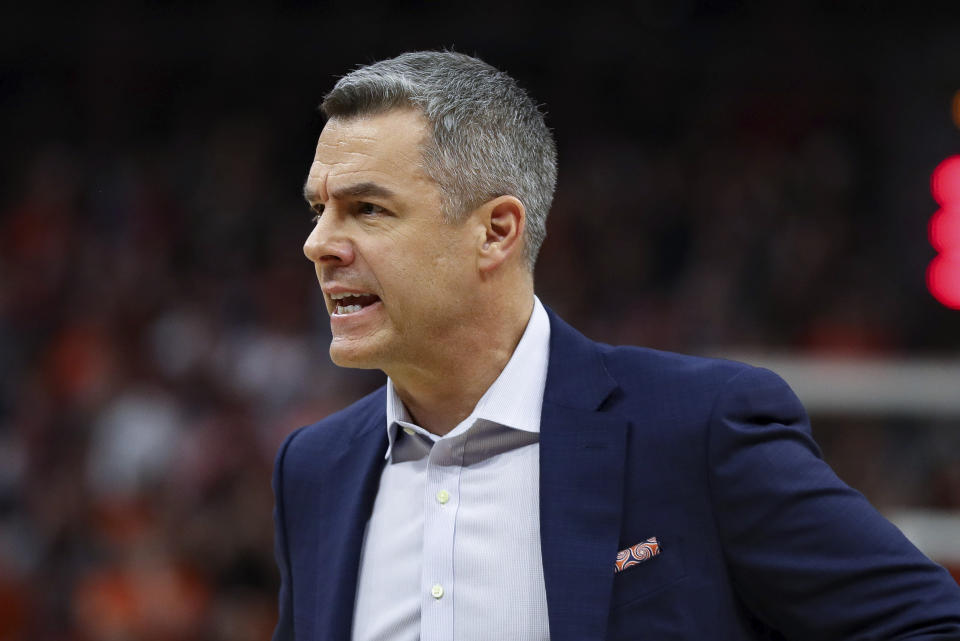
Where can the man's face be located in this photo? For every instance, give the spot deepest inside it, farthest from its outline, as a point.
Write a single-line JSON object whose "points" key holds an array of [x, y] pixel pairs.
{"points": [[396, 278]]}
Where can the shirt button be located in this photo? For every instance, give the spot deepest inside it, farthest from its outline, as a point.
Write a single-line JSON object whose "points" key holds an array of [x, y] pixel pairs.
{"points": [[409, 430], [436, 591], [443, 496]]}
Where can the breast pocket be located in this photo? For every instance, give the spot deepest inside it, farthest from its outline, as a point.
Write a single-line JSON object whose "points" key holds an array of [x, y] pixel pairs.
{"points": [[650, 576]]}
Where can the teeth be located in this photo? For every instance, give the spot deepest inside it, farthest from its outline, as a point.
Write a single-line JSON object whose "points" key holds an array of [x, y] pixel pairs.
{"points": [[342, 300], [348, 309]]}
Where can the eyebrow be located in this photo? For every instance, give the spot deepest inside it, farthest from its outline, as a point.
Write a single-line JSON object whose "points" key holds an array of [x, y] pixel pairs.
{"points": [[358, 190]]}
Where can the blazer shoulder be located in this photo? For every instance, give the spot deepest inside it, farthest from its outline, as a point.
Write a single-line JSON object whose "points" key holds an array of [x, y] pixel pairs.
{"points": [[649, 366], [643, 379], [696, 386]]}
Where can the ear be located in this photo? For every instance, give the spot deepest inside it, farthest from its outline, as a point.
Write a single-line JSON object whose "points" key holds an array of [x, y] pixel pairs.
{"points": [[504, 219]]}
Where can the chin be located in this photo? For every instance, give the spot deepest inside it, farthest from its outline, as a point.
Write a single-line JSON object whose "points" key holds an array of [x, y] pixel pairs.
{"points": [[353, 356]]}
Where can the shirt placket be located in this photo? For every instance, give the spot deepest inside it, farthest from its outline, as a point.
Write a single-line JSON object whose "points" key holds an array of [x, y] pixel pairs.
{"points": [[441, 500]]}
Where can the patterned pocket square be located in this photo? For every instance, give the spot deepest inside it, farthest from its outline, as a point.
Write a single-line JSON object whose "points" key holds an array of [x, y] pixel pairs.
{"points": [[636, 554]]}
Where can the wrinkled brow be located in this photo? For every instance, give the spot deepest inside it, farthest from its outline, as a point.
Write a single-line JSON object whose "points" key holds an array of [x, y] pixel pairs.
{"points": [[357, 190]]}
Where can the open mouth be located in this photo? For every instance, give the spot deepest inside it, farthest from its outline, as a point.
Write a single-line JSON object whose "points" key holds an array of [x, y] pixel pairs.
{"points": [[352, 303]]}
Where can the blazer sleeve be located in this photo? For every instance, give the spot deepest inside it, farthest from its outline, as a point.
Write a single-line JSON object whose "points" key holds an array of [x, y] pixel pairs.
{"points": [[284, 629], [808, 554]]}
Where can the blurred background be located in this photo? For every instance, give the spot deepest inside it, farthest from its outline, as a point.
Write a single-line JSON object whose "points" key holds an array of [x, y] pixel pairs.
{"points": [[735, 180]]}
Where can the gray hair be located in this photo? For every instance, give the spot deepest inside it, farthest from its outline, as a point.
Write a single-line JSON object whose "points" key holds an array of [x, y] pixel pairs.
{"points": [[489, 137]]}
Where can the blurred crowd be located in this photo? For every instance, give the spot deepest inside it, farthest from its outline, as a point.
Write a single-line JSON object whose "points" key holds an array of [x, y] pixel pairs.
{"points": [[146, 385], [161, 332]]}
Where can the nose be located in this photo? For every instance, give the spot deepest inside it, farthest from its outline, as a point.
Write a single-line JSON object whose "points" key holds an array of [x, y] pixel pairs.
{"points": [[328, 243]]}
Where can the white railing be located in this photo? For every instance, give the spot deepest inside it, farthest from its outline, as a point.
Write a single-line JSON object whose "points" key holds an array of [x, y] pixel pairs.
{"points": [[919, 387]]}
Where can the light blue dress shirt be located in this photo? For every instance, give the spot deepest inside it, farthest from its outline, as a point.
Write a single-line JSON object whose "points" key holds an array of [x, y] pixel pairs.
{"points": [[452, 548]]}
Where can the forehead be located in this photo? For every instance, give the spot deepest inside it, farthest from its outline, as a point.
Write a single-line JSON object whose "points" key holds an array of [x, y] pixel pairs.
{"points": [[383, 148]]}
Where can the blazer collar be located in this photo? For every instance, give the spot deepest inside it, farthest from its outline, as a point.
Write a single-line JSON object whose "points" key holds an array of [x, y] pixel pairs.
{"points": [[576, 375], [348, 493]]}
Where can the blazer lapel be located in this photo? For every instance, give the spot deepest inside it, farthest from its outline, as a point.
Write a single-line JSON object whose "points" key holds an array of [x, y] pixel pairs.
{"points": [[581, 486], [338, 545]]}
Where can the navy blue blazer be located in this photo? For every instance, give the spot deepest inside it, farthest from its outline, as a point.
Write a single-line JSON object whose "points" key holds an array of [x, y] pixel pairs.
{"points": [[758, 537]]}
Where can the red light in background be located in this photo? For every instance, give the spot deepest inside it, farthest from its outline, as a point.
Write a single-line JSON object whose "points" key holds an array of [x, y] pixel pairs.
{"points": [[943, 274], [945, 182], [943, 279], [944, 229]]}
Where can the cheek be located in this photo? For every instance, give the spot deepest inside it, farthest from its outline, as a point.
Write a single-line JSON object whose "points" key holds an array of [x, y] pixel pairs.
{"points": [[425, 277], [441, 264], [451, 264]]}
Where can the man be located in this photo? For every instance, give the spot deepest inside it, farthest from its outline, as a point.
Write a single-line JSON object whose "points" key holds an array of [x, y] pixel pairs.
{"points": [[514, 480]]}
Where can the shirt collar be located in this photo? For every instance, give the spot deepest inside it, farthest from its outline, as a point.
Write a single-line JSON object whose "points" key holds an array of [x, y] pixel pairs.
{"points": [[514, 400]]}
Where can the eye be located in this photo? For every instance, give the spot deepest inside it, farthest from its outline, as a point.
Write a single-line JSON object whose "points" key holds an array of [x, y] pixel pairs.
{"points": [[369, 209], [317, 211]]}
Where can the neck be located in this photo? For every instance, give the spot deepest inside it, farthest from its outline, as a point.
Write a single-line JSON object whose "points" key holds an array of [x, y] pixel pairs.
{"points": [[443, 392]]}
